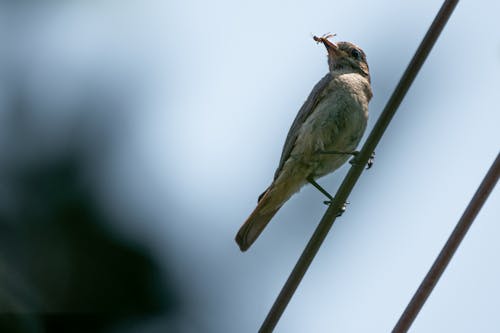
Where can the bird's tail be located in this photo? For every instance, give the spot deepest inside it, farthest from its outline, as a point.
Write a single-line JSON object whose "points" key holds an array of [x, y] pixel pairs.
{"points": [[256, 222], [269, 203]]}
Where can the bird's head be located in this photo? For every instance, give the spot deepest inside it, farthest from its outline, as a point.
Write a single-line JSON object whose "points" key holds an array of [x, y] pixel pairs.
{"points": [[345, 57]]}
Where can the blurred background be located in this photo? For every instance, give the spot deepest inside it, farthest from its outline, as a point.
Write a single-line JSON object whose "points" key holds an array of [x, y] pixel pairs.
{"points": [[135, 137]]}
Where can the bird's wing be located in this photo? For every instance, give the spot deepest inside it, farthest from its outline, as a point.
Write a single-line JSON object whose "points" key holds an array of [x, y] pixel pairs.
{"points": [[304, 112]]}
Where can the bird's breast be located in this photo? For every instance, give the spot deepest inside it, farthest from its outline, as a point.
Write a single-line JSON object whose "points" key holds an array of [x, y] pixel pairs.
{"points": [[337, 123]]}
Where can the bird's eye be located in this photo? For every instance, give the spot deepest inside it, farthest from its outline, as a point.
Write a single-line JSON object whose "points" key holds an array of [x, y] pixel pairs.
{"points": [[356, 54]]}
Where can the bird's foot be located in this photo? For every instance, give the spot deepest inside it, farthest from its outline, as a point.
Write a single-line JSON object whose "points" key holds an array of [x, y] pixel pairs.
{"points": [[328, 195], [354, 153], [369, 164], [342, 209]]}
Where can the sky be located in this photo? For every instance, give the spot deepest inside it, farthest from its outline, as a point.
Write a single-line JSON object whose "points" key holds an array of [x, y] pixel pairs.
{"points": [[205, 93]]}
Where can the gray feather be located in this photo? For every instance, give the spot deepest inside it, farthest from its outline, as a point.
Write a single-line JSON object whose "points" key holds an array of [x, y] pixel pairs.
{"points": [[304, 112]]}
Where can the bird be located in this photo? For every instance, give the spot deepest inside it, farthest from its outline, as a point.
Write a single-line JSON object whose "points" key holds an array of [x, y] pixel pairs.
{"points": [[325, 132]]}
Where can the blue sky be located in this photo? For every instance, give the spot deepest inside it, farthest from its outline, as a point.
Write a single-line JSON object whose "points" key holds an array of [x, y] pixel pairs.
{"points": [[208, 91]]}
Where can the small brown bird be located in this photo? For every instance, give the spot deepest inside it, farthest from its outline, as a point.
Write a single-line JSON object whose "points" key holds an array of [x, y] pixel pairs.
{"points": [[326, 130]]}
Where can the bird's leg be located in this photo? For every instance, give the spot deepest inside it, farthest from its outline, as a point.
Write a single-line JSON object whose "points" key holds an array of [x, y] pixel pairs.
{"points": [[338, 152], [328, 195], [354, 153], [322, 190]]}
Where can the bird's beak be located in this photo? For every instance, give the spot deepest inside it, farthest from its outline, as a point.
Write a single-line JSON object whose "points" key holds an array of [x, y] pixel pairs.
{"points": [[332, 48]]}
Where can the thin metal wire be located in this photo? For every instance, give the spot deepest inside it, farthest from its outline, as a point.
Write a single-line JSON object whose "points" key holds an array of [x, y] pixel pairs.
{"points": [[444, 258], [355, 171]]}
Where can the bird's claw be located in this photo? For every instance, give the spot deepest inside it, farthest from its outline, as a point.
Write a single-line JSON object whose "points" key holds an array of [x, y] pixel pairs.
{"points": [[370, 162], [342, 208], [354, 160]]}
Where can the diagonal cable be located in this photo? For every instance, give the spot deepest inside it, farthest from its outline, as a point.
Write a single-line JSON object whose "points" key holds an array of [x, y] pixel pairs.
{"points": [[355, 171], [444, 258]]}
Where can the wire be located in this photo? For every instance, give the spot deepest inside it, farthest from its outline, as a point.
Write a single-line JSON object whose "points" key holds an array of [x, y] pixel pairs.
{"points": [[444, 258], [355, 171]]}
